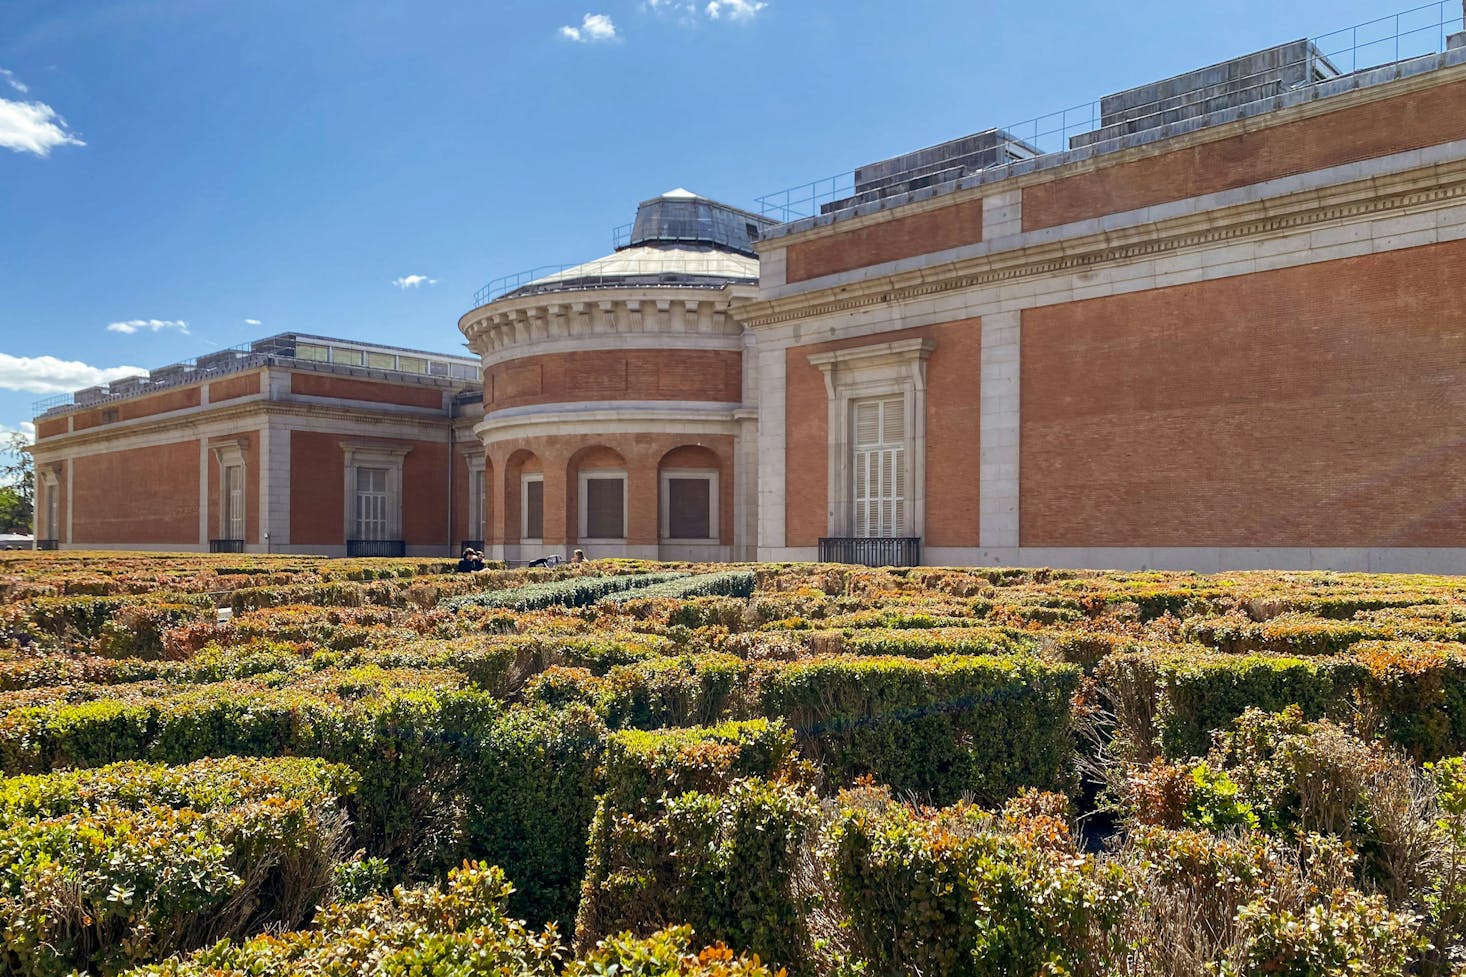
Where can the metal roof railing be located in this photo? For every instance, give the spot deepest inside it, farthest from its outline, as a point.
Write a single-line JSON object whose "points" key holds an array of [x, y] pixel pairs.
{"points": [[1416, 32], [273, 350]]}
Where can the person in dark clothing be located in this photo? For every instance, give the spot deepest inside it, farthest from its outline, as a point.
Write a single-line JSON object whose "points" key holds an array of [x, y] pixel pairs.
{"points": [[470, 562]]}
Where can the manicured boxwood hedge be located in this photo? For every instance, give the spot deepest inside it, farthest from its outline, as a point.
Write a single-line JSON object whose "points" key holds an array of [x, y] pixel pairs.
{"points": [[571, 592], [132, 862], [690, 830], [944, 726]]}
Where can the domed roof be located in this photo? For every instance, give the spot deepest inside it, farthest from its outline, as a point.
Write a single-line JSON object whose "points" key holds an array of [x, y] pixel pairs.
{"points": [[679, 239]]}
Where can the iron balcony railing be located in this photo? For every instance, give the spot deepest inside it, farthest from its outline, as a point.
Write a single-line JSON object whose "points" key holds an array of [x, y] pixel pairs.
{"points": [[364, 548], [890, 551], [1412, 33], [226, 546]]}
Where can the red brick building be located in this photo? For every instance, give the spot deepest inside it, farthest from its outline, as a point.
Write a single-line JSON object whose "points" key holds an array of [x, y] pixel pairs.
{"points": [[1224, 326]]}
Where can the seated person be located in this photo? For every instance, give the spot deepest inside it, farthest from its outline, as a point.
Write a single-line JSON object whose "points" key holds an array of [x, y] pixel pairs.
{"points": [[471, 561]]}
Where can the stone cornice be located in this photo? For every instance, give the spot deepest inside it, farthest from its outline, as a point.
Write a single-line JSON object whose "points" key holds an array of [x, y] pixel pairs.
{"points": [[558, 418], [1423, 189], [609, 313], [192, 423]]}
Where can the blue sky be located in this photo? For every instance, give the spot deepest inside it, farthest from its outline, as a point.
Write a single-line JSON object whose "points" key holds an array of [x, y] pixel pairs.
{"points": [[177, 175]]}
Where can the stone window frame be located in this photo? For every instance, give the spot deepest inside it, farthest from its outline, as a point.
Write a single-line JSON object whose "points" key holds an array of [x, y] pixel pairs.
{"points": [[50, 476], [478, 510], [232, 454], [363, 454], [525, 478], [583, 503], [664, 507], [862, 372]]}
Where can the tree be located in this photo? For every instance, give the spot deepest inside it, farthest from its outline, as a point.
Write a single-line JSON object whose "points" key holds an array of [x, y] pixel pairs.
{"points": [[17, 486]]}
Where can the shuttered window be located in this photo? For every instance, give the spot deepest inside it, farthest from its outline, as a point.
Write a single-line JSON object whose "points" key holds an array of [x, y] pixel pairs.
{"points": [[371, 503], [689, 508], [476, 503], [605, 507], [232, 491], [533, 500], [879, 467]]}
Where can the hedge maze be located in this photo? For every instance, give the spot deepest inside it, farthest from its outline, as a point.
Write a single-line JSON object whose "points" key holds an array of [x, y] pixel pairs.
{"points": [[384, 767]]}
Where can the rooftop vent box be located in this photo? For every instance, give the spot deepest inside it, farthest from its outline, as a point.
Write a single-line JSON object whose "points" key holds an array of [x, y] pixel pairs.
{"points": [[170, 374], [933, 166], [91, 395], [217, 362], [1241, 81], [127, 385]]}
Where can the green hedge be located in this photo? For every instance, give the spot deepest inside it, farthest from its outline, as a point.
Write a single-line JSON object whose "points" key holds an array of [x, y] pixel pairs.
{"points": [[943, 726], [101, 869], [1286, 634], [927, 643], [690, 831], [732, 583], [1171, 701], [459, 930], [1416, 693], [530, 788], [965, 893], [689, 690], [404, 731], [571, 592]]}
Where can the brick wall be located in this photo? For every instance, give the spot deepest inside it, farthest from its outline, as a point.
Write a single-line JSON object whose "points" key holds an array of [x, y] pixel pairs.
{"points": [[175, 398], [1380, 128], [714, 375], [425, 495], [641, 456], [141, 495], [952, 424], [317, 476], [345, 388], [1312, 406], [234, 387], [51, 428], [891, 239]]}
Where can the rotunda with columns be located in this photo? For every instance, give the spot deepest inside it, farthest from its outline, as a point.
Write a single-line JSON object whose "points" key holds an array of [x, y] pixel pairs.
{"points": [[618, 395]]}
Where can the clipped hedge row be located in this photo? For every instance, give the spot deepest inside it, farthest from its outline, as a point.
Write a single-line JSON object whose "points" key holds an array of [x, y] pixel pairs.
{"points": [[460, 929], [1170, 701], [966, 893], [690, 831], [571, 592], [733, 583], [101, 869], [944, 726]]}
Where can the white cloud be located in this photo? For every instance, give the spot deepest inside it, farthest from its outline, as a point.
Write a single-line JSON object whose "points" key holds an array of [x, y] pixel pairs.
{"points": [[49, 375], [26, 429], [33, 127], [734, 9], [13, 81], [413, 281], [593, 27], [132, 326], [253, 322], [692, 11]]}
